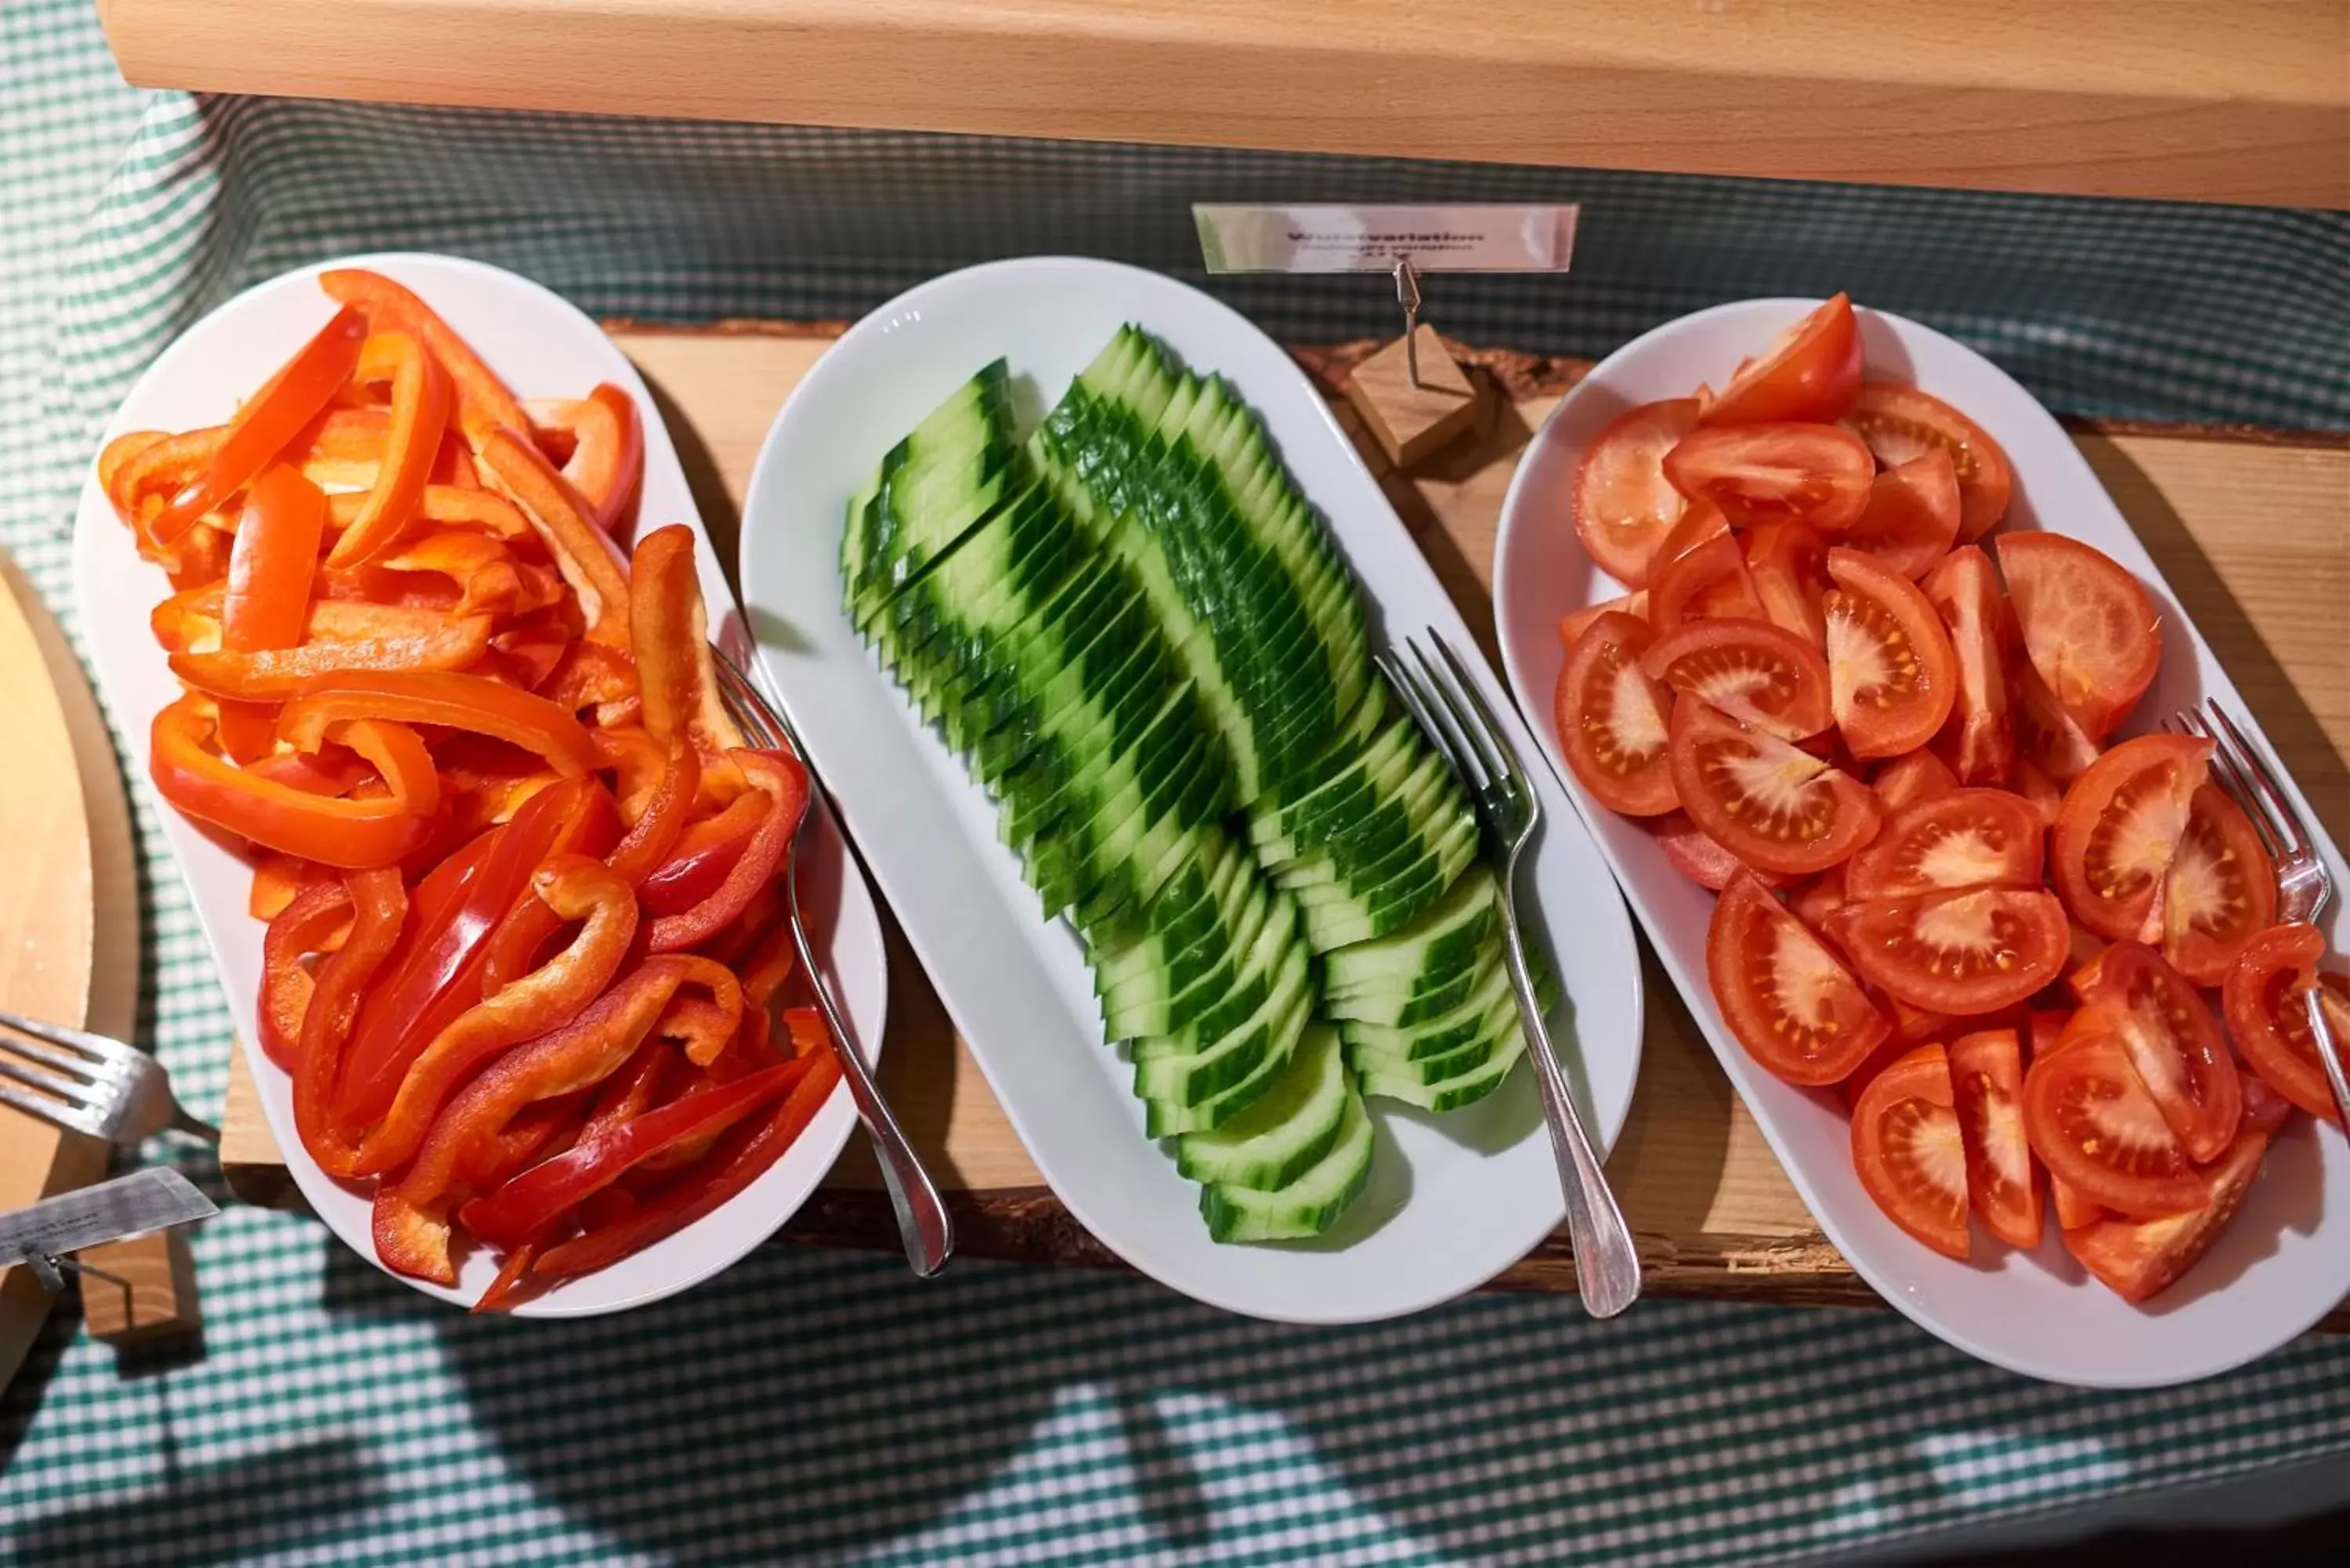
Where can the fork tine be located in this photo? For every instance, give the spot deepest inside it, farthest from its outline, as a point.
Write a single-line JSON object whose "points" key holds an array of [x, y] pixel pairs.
{"points": [[1457, 720], [1408, 692], [2247, 762], [1505, 755], [1437, 724], [57, 1112], [80, 1095], [97, 1047], [81, 1067]]}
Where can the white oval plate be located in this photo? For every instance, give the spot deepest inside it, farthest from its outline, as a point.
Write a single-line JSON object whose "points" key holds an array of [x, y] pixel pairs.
{"points": [[543, 347], [2286, 1259], [1453, 1200]]}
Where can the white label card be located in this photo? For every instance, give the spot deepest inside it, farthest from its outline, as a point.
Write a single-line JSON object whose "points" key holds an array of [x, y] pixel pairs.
{"points": [[1319, 237]]}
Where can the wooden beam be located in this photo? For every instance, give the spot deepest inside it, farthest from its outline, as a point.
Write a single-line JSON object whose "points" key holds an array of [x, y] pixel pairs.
{"points": [[2193, 100]]}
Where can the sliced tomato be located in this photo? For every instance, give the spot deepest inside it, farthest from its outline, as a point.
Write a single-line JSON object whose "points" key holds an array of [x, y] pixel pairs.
{"points": [[2002, 1178], [1965, 953], [1798, 1012], [1965, 839], [1699, 858], [2045, 1032], [2173, 1041], [1709, 583], [1815, 474], [2095, 1127], [1788, 564], [2139, 1259], [2265, 998], [1573, 625], [1891, 674], [1771, 805], [1819, 897], [1913, 776], [1700, 521], [1901, 422], [2265, 1110], [1980, 737], [2119, 827], [1909, 1151], [2040, 790], [1624, 506], [1613, 718], [2087, 627], [1912, 517], [1758, 673], [2219, 892], [2046, 737], [1809, 372]]}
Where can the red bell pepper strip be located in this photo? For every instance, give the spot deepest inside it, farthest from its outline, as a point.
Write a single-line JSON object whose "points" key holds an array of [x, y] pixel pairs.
{"points": [[575, 889], [273, 561], [780, 777], [278, 880], [420, 413], [705, 851], [740, 1157], [507, 1291], [582, 553], [190, 621], [702, 1029], [116, 453], [626, 1094], [246, 732], [669, 638], [643, 848], [267, 423], [352, 833], [606, 457], [447, 698], [537, 1131], [380, 905], [277, 673], [411, 1225], [527, 1207], [451, 505], [482, 398], [308, 925], [438, 974], [136, 476], [398, 756]]}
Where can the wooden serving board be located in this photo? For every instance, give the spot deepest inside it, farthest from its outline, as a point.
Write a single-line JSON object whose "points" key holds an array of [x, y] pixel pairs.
{"points": [[2253, 529]]}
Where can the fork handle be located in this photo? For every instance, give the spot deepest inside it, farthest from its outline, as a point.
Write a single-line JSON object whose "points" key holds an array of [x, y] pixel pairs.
{"points": [[1606, 1263], [2329, 1052]]}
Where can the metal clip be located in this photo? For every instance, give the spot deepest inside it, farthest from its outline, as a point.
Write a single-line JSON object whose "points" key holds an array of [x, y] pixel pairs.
{"points": [[1407, 282]]}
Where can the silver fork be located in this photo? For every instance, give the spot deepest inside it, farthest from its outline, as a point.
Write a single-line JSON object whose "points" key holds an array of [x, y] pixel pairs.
{"points": [[2305, 886], [89, 1083], [1452, 713], [923, 1227]]}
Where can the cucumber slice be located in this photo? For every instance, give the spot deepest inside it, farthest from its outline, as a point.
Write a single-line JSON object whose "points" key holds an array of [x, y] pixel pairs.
{"points": [[1447, 939], [1291, 1126], [1307, 1205], [1385, 1079], [1184, 1080], [1447, 1032]]}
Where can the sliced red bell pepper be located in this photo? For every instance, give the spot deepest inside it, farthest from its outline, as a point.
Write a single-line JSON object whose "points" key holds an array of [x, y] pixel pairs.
{"points": [[604, 451], [411, 1226], [246, 732], [647, 844], [779, 776], [420, 413], [447, 698], [624, 1096], [353, 833], [705, 851], [507, 1291], [527, 1207], [574, 887], [455, 506], [669, 638], [582, 553], [190, 621], [740, 1157], [309, 924], [702, 1029], [380, 907], [399, 757], [277, 673], [137, 478], [526, 652], [117, 454], [264, 426], [482, 398], [278, 880]]}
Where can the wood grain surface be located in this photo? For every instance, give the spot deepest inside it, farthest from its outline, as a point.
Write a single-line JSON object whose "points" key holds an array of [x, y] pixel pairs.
{"points": [[2251, 528], [2194, 100], [68, 914]]}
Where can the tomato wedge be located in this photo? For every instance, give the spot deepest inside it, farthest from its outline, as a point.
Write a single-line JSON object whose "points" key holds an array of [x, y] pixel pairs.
{"points": [[1901, 422], [1788, 565], [1909, 1150], [1612, 718], [1987, 1085], [1819, 897], [1711, 582], [1756, 672], [2092, 1123], [1913, 776], [2088, 627], [1623, 505], [2048, 738], [1970, 951], [1913, 518], [2173, 1042], [2265, 999], [1774, 806], [2119, 827], [1781, 472], [1809, 372], [1573, 625], [1965, 839], [1892, 676], [2220, 891], [1797, 1011], [1980, 737], [2141, 1258], [1700, 521]]}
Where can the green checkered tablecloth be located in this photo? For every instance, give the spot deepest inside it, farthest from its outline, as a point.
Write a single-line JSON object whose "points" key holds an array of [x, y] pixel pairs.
{"points": [[814, 1405]]}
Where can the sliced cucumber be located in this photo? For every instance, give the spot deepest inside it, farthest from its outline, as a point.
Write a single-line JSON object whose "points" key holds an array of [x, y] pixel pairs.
{"points": [[1292, 1125], [1306, 1205]]}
